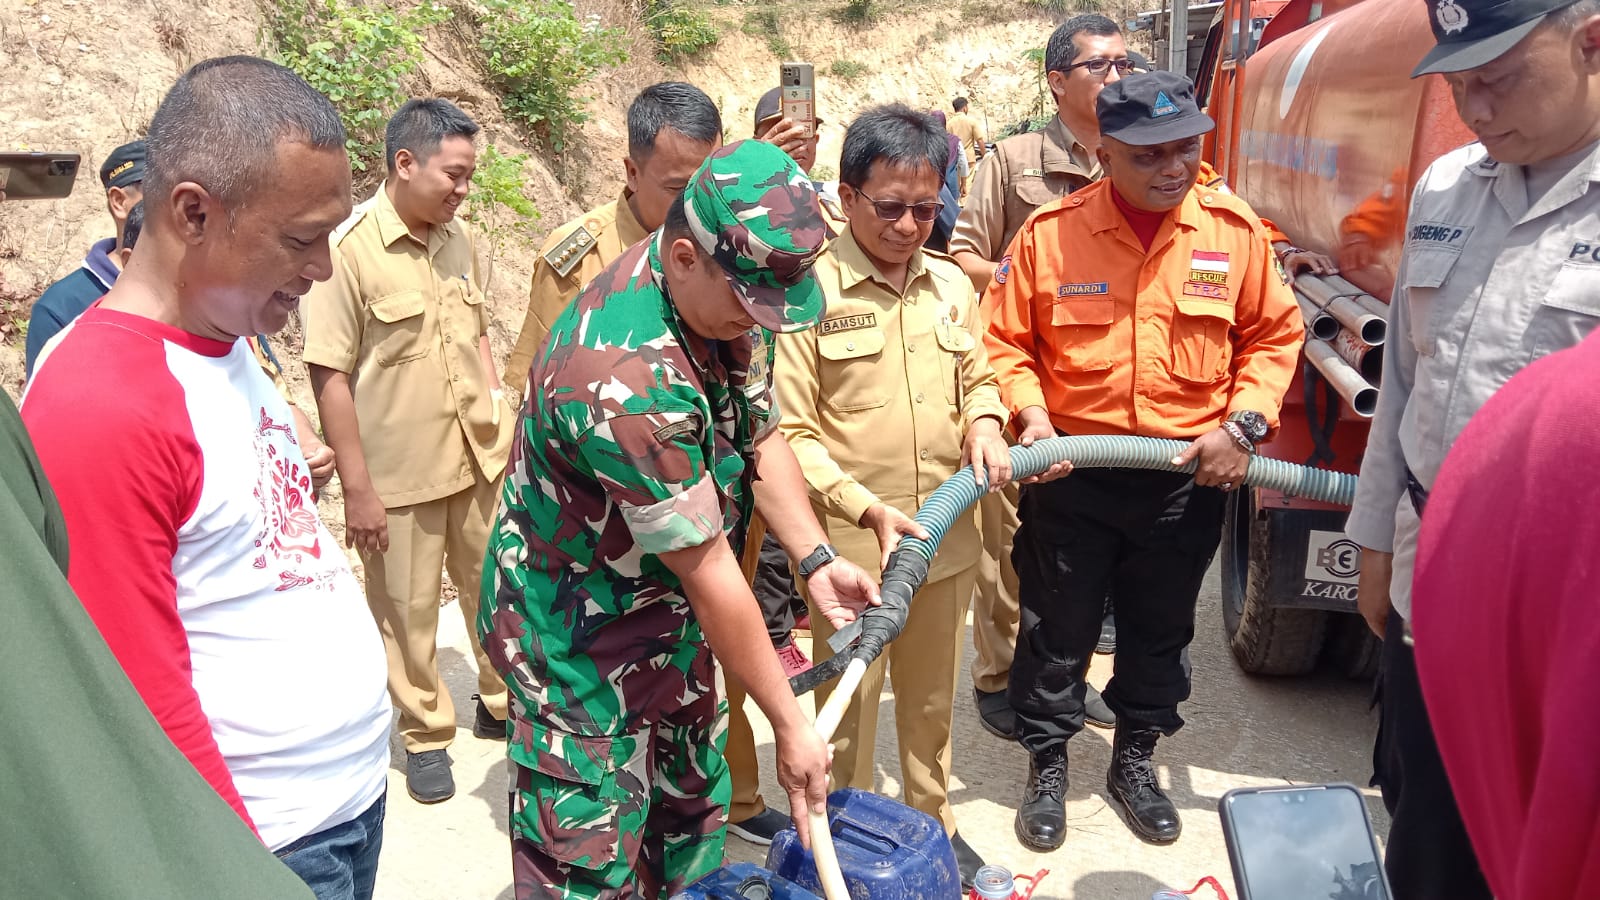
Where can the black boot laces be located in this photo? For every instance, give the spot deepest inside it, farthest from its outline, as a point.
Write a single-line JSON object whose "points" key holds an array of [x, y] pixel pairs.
{"points": [[1049, 777], [1138, 767]]}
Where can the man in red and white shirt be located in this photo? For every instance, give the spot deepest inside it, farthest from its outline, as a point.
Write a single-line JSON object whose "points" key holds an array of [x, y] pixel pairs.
{"points": [[196, 545]]}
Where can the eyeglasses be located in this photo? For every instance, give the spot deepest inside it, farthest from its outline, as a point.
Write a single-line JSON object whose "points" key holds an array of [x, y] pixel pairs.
{"points": [[892, 210], [1099, 67]]}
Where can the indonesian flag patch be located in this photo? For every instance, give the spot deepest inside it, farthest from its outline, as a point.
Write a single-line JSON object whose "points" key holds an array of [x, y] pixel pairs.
{"points": [[1208, 267]]}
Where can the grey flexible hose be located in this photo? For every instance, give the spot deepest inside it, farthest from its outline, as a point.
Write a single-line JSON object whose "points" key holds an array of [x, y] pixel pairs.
{"points": [[866, 637]]}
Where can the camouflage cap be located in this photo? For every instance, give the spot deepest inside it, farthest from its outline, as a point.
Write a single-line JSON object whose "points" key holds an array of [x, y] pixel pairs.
{"points": [[753, 210]]}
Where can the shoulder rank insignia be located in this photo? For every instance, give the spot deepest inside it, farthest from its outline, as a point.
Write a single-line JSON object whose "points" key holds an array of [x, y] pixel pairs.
{"points": [[565, 256]]}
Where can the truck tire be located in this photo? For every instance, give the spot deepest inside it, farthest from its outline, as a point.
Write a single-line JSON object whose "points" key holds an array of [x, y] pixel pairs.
{"points": [[1265, 639], [1352, 649]]}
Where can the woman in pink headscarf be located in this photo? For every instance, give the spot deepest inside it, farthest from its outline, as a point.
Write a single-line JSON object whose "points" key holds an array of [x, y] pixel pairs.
{"points": [[1506, 616]]}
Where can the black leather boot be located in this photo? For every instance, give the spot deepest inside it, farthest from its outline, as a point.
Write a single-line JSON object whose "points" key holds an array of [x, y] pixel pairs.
{"points": [[1132, 784], [1042, 818]]}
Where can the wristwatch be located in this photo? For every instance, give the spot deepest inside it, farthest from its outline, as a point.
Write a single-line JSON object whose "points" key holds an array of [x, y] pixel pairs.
{"points": [[1252, 423], [819, 557]]}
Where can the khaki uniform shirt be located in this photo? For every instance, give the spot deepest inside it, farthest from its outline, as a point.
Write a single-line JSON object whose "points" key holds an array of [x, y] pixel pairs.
{"points": [[403, 319], [967, 129], [1487, 284], [575, 253], [877, 399], [1023, 173]]}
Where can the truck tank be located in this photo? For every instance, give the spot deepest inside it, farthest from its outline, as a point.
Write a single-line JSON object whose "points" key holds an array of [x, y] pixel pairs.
{"points": [[1333, 132]]}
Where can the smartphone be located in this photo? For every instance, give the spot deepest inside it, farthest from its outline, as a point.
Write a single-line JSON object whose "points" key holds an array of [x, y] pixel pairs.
{"points": [[37, 176], [798, 84], [1302, 842]]}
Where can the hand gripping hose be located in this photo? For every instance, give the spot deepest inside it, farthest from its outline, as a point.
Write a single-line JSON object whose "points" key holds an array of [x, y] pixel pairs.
{"points": [[866, 637]]}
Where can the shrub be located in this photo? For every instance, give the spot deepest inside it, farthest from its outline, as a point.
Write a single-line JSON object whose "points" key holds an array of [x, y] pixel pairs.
{"points": [[497, 204], [540, 57], [357, 56], [763, 21], [680, 32], [858, 12], [847, 69]]}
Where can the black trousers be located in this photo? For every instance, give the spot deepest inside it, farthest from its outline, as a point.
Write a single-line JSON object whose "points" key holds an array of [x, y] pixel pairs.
{"points": [[1428, 855], [1145, 539], [774, 590]]}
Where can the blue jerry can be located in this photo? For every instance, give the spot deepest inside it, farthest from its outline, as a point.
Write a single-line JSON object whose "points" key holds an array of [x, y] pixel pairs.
{"points": [[743, 881], [887, 851]]}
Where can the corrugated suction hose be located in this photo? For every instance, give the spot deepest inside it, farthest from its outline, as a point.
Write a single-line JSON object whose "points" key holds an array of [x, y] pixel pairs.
{"points": [[866, 637]]}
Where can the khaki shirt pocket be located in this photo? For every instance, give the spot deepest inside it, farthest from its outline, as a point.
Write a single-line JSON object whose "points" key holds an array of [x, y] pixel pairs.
{"points": [[848, 379], [955, 342], [1081, 326], [480, 312], [1201, 351], [1569, 311], [398, 335], [1424, 277]]}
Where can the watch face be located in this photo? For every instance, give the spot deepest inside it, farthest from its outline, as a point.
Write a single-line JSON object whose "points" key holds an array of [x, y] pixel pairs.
{"points": [[1253, 424]]}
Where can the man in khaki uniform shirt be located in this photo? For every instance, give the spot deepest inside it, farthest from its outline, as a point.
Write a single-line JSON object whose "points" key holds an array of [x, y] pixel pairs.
{"points": [[672, 128], [882, 402], [399, 353], [1023, 173], [973, 142]]}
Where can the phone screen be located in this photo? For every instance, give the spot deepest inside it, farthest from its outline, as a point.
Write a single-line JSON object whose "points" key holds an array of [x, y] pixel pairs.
{"points": [[1310, 842]]}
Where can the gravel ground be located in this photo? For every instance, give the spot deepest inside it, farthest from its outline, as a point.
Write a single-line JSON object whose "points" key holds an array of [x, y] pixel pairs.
{"points": [[1242, 731]]}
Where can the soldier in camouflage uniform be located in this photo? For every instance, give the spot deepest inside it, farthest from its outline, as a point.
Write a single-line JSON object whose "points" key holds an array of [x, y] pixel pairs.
{"points": [[615, 575]]}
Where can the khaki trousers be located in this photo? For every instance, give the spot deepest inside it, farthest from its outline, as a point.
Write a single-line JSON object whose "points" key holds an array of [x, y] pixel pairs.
{"points": [[403, 594], [922, 664], [743, 769], [995, 611]]}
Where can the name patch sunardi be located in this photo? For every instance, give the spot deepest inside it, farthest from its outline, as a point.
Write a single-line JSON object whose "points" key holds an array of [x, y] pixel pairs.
{"points": [[1087, 289], [848, 323]]}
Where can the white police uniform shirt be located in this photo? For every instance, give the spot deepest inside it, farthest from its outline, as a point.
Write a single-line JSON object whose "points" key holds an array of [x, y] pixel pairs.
{"points": [[1489, 280]]}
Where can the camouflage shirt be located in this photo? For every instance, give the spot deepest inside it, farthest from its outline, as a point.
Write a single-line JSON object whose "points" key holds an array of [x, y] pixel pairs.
{"points": [[636, 440]]}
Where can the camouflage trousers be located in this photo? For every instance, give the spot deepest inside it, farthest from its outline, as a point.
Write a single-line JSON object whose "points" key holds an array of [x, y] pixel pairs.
{"points": [[647, 822]]}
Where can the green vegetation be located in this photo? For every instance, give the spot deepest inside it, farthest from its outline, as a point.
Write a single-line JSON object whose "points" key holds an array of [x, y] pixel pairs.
{"points": [[541, 57], [497, 204], [763, 21], [1064, 7], [847, 69], [681, 32], [858, 12], [824, 173], [356, 55]]}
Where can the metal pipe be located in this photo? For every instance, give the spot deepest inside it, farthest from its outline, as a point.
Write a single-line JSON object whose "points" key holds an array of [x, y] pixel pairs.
{"points": [[1343, 307], [1319, 324], [1367, 359], [1362, 396], [1178, 38], [1360, 321], [1342, 285]]}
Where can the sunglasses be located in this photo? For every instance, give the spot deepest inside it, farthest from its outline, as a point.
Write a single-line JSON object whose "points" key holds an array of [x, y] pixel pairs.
{"points": [[1099, 67], [892, 210]]}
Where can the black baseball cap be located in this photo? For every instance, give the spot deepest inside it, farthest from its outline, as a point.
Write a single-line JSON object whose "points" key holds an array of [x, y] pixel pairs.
{"points": [[770, 107], [1471, 33], [124, 166], [1149, 108]]}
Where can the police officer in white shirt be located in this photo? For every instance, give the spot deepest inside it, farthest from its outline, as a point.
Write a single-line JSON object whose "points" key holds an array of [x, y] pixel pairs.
{"points": [[1499, 267]]}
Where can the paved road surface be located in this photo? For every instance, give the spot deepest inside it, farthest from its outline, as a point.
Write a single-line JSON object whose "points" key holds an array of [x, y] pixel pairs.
{"points": [[1241, 731]]}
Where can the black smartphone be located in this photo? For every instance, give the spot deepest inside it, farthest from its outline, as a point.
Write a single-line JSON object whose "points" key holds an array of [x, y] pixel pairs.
{"points": [[1306, 842], [37, 176]]}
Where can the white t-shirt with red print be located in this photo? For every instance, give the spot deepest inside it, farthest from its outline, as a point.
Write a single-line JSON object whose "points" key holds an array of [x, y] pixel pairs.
{"points": [[196, 547]]}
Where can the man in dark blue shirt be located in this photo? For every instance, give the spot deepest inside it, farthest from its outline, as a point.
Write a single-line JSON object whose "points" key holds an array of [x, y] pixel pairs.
{"points": [[123, 176]]}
